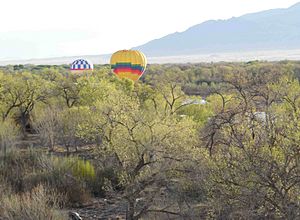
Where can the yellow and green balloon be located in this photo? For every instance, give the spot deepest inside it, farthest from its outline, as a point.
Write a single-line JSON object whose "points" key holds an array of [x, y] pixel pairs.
{"points": [[130, 64]]}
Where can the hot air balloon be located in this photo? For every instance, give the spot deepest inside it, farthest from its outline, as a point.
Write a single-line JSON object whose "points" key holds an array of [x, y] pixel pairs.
{"points": [[129, 64], [81, 66]]}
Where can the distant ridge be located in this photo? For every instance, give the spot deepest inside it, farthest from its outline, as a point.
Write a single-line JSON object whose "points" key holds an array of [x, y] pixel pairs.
{"points": [[277, 29], [268, 55], [96, 59], [270, 35]]}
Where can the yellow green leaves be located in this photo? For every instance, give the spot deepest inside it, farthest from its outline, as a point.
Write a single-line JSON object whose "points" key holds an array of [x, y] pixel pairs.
{"points": [[79, 168]]}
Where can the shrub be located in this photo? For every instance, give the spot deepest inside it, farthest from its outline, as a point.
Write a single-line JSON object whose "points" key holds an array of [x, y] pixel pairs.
{"points": [[106, 179], [9, 134], [69, 175], [34, 205], [82, 169], [21, 162]]}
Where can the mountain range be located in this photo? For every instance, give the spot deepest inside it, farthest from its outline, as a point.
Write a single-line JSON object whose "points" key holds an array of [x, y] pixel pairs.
{"points": [[277, 29], [267, 35]]}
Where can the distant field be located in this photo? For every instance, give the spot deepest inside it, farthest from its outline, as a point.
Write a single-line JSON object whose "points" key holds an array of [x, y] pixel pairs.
{"points": [[271, 55], [274, 55]]}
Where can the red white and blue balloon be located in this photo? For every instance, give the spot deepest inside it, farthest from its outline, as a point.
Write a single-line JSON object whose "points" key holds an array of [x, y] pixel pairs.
{"points": [[81, 66]]}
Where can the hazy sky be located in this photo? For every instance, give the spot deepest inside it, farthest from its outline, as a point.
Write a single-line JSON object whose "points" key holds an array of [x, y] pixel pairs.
{"points": [[49, 28]]}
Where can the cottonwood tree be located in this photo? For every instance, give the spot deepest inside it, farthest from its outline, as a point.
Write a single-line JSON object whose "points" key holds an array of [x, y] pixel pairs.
{"points": [[48, 125], [20, 94], [149, 149], [34, 91], [58, 127], [168, 87], [68, 88], [256, 169], [10, 95]]}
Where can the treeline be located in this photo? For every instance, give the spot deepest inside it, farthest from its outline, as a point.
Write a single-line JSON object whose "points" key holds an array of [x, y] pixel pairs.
{"points": [[155, 142]]}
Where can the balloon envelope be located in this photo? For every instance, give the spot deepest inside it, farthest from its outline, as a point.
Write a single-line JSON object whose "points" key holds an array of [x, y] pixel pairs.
{"points": [[81, 66], [129, 64]]}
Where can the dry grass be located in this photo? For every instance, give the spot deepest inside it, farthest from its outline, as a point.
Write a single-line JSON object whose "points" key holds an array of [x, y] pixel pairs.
{"points": [[37, 204]]}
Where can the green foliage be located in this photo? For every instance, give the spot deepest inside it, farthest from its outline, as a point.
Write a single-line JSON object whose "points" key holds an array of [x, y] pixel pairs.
{"points": [[199, 112], [80, 169], [236, 156]]}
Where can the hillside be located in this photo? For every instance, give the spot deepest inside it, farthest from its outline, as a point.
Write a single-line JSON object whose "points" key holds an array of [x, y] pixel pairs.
{"points": [[268, 30], [271, 35]]}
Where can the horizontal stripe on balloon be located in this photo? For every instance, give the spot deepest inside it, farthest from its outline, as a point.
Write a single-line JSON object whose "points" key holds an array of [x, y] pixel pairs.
{"points": [[130, 68], [81, 69], [127, 70], [128, 65]]}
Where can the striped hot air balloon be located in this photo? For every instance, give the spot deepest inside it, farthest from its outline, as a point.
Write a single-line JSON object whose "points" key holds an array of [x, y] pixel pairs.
{"points": [[129, 64], [81, 66]]}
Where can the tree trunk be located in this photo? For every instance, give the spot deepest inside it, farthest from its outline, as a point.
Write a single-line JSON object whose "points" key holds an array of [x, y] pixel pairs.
{"points": [[130, 210], [51, 137]]}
